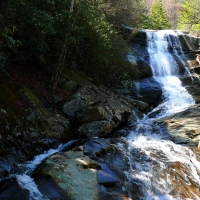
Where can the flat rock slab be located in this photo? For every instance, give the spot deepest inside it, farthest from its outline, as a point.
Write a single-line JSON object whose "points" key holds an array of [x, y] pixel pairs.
{"points": [[73, 173], [184, 127]]}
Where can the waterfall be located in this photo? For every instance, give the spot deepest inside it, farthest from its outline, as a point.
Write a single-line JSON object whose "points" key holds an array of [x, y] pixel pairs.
{"points": [[165, 64], [161, 169]]}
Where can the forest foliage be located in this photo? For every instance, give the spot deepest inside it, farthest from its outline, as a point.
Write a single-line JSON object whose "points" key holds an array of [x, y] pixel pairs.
{"points": [[189, 15], [157, 18], [47, 32], [38, 31]]}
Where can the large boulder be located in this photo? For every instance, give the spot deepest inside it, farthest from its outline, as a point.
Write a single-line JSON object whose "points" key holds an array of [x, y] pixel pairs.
{"points": [[150, 91], [98, 111], [183, 127], [93, 170]]}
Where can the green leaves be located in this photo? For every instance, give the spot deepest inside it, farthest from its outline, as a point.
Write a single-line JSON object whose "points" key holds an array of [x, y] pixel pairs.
{"points": [[189, 15], [157, 18], [38, 31]]}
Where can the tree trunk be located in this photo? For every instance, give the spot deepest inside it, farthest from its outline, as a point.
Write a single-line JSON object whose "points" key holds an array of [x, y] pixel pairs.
{"points": [[61, 62]]}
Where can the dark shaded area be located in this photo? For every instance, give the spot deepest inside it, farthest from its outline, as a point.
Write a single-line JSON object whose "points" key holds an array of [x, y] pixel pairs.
{"points": [[10, 190]]}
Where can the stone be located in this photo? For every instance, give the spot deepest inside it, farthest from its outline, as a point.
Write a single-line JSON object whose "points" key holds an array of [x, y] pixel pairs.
{"points": [[10, 189], [150, 91], [98, 110], [183, 127], [73, 173], [96, 128], [106, 177], [58, 127], [96, 147], [194, 90], [93, 114], [144, 69], [198, 146]]}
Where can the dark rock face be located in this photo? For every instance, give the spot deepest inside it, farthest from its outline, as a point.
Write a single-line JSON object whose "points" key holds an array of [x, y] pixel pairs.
{"points": [[58, 127], [144, 69], [126, 31], [10, 190], [150, 91], [194, 90], [98, 110], [189, 42]]}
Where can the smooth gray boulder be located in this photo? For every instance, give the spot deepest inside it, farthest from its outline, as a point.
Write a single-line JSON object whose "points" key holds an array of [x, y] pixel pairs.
{"points": [[183, 127], [93, 170]]}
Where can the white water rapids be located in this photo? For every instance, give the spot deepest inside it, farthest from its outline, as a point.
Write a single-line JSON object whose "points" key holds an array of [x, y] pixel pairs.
{"points": [[162, 169]]}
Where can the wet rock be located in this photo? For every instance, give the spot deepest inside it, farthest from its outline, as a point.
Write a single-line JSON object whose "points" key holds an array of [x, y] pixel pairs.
{"points": [[150, 91], [116, 160], [186, 80], [194, 90], [73, 173], [4, 168], [106, 177], [84, 173], [146, 90], [96, 147], [183, 127], [189, 42]]}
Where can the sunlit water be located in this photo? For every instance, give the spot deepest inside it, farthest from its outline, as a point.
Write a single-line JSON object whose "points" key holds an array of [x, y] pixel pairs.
{"points": [[24, 179], [162, 169]]}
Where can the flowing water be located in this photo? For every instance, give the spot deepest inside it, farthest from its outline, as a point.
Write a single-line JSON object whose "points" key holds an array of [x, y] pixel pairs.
{"points": [[162, 169], [23, 176]]}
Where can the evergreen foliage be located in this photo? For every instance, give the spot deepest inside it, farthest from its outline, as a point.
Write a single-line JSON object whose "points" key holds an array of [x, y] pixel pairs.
{"points": [[128, 12], [189, 15], [157, 18], [40, 31]]}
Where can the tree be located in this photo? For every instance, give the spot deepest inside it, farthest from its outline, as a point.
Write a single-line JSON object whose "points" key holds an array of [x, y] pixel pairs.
{"points": [[157, 18], [172, 8], [53, 35], [189, 15], [128, 12]]}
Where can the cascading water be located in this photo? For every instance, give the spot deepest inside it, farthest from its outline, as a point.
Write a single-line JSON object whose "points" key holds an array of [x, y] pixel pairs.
{"points": [[165, 67], [161, 169]]}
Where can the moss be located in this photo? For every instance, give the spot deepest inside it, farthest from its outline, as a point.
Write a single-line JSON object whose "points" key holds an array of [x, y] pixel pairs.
{"points": [[13, 109], [79, 78], [12, 101], [36, 102]]}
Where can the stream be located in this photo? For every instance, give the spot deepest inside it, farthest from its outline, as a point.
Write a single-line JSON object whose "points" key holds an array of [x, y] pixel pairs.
{"points": [[161, 169]]}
